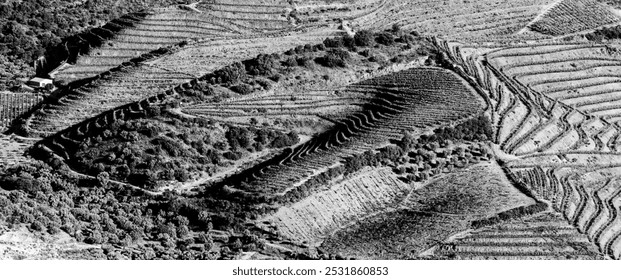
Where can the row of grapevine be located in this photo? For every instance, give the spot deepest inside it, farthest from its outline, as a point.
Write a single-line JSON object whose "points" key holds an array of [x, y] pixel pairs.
{"points": [[582, 76], [589, 207], [421, 101], [13, 151], [570, 201], [14, 105], [322, 213], [545, 236], [81, 44], [601, 220], [170, 26], [457, 19], [571, 16], [525, 50], [81, 100]]}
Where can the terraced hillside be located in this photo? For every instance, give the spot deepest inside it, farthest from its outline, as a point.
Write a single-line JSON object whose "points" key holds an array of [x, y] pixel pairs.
{"points": [[545, 236], [546, 140], [400, 105], [162, 59], [364, 194], [587, 202], [161, 28], [103, 94], [14, 150], [423, 215], [571, 16], [375, 129], [579, 75], [209, 55], [458, 19]]}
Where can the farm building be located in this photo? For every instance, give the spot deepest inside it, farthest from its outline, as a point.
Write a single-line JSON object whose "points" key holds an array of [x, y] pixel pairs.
{"points": [[39, 82]]}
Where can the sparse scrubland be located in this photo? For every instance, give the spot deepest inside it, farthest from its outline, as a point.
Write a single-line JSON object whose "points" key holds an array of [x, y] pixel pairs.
{"points": [[311, 130]]}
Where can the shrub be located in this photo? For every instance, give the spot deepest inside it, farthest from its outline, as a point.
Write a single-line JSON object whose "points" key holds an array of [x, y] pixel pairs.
{"points": [[378, 58], [181, 175], [232, 73], [264, 83], [349, 41], [336, 42], [396, 28], [285, 140], [143, 179], [238, 137], [173, 148], [364, 38], [276, 78], [242, 88], [299, 50], [385, 38], [305, 61], [308, 48], [335, 58], [263, 64], [290, 62], [28, 185], [319, 47]]}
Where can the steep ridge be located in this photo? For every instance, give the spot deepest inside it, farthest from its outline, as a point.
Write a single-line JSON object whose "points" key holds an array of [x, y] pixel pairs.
{"points": [[400, 105]]}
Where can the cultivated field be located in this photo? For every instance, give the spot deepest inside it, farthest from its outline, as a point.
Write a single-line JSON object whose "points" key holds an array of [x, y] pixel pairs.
{"points": [[457, 19], [162, 28], [588, 201], [398, 105], [428, 214], [571, 16], [103, 94], [14, 105], [13, 151], [373, 129], [545, 236], [582, 76], [318, 215]]}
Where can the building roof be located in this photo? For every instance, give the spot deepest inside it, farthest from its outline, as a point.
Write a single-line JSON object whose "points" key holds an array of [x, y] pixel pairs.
{"points": [[40, 80]]}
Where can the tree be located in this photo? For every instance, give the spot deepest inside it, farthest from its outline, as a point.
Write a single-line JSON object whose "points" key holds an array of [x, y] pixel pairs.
{"points": [[263, 64], [238, 137], [231, 74], [364, 38], [103, 179]]}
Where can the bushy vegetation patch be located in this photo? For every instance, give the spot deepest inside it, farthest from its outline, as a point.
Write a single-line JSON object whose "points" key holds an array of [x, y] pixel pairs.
{"points": [[147, 151], [364, 38], [414, 159], [335, 58], [128, 223]]}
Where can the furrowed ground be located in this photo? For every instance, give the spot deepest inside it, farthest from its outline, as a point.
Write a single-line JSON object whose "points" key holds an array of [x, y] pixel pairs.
{"points": [[542, 237], [424, 214], [376, 129]]}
